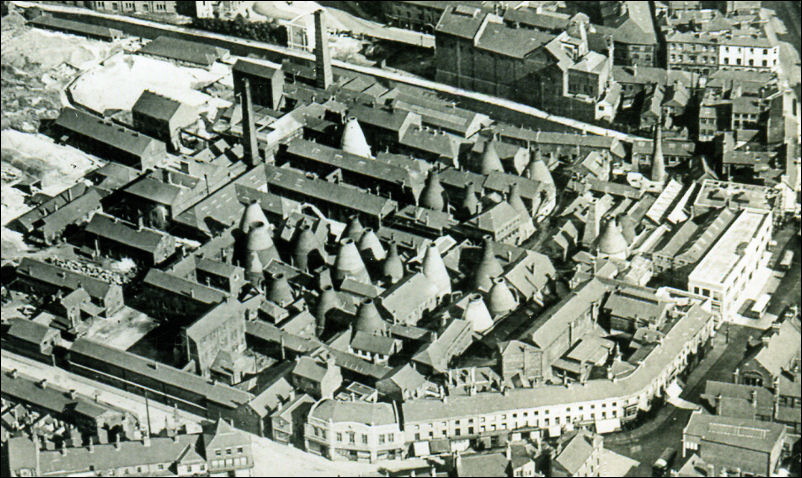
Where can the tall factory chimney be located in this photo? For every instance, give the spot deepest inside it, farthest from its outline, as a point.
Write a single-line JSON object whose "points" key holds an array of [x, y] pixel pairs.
{"points": [[322, 55], [248, 127]]}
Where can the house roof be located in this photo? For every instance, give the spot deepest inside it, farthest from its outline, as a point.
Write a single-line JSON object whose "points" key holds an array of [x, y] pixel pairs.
{"points": [[781, 349], [495, 218], [308, 368], [403, 378], [162, 280], [29, 331], [576, 452], [376, 344], [632, 303], [156, 106], [485, 464], [73, 211], [736, 432], [551, 324], [461, 21], [217, 393], [513, 42], [544, 21], [369, 413], [184, 50], [116, 136], [51, 398], [740, 396], [63, 278], [407, 295], [430, 141], [147, 240]]}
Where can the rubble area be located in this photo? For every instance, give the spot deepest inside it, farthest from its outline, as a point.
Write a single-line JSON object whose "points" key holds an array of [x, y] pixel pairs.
{"points": [[99, 91], [36, 67]]}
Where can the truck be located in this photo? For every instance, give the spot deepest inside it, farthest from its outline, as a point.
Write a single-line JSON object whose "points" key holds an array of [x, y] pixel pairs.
{"points": [[787, 259], [663, 464]]}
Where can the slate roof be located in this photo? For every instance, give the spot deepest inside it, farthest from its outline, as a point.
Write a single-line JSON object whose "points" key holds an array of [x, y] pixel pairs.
{"points": [[52, 398], [402, 378], [461, 21], [485, 464], [154, 190], [69, 26], [512, 42], [781, 349], [440, 143], [576, 452], [495, 218], [190, 383], [379, 413], [214, 319], [551, 324], [155, 106], [308, 368], [372, 343], [407, 295], [118, 137], [736, 432], [28, 331], [63, 278], [106, 227], [256, 67], [162, 280], [184, 50], [529, 16], [27, 220], [73, 211]]}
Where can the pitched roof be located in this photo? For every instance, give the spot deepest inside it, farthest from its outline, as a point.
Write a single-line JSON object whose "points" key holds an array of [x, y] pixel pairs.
{"points": [[485, 464], [736, 432], [376, 344], [308, 368], [63, 278], [495, 218], [29, 330], [156, 106], [781, 349], [70, 26], [461, 21], [116, 136], [407, 295], [51, 398], [551, 324], [184, 50], [576, 452], [370, 413], [512, 42], [162, 280], [147, 240]]}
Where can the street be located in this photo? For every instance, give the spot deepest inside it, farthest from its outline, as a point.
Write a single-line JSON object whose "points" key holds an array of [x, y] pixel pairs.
{"points": [[664, 429]]}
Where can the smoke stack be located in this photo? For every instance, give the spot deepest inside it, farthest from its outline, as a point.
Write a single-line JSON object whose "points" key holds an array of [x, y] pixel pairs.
{"points": [[354, 229], [435, 269], [501, 299], [490, 159], [259, 241], [253, 268], [252, 214], [393, 268], [489, 267], [353, 139], [470, 203], [477, 314], [368, 319], [328, 300], [370, 245], [248, 126], [279, 290], [432, 194], [322, 56], [658, 162], [349, 263], [305, 243]]}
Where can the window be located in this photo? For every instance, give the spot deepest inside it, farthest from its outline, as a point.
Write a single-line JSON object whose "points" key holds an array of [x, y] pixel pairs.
{"points": [[381, 439], [228, 451], [239, 449], [351, 437], [417, 437], [390, 437], [339, 436], [364, 439], [470, 430], [161, 466], [217, 452]]}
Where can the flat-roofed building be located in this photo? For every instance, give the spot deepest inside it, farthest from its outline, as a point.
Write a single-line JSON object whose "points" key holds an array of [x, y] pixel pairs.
{"points": [[724, 272], [734, 445]]}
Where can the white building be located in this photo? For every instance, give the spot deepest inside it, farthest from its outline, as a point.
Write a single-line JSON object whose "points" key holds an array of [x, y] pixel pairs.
{"points": [[747, 52], [731, 263]]}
